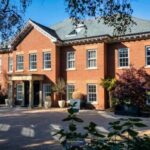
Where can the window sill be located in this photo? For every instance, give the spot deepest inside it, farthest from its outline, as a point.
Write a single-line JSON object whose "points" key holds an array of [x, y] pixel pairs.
{"points": [[33, 70], [147, 66], [48, 69], [19, 70], [120, 68], [94, 68], [70, 69]]}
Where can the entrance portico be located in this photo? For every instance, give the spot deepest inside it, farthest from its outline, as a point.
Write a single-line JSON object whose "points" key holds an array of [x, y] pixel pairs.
{"points": [[28, 90]]}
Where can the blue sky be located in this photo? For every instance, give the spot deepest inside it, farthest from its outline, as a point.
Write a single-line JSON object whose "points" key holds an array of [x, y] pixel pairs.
{"points": [[49, 12]]}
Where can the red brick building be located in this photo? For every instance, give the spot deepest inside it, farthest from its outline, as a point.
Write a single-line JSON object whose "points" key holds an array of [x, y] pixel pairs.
{"points": [[40, 55]]}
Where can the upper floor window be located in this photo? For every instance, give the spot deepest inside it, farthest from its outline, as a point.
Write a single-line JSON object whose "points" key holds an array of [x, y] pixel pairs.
{"points": [[91, 93], [33, 61], [70, 90], [70, 60], [91, 58], [10, 64], [0, 65], [148, 56], [19, 62], [46, 60], [123, 57]]}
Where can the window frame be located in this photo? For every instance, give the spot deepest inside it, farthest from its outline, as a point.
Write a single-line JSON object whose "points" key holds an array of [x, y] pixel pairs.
{"points": [[146, 55], [10, 65], [44, 87], [91, 84], [20, 92], [89, 59], [33, 61], [69, 84], [50, 61], [70, 61], [19, 63], [124, 58]]}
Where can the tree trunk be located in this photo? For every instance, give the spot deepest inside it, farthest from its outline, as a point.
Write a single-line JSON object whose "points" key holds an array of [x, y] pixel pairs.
{"points": [[110, 99]]}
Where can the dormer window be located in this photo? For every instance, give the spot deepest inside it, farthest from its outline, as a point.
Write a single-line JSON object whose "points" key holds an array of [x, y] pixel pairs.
{"points": [[77, 29]]}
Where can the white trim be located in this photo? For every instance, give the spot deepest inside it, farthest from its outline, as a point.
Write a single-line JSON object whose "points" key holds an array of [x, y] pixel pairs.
{"points": [[68, 84], [19, 70], [67, 66], [123, 67], [44, 85], [94, 102], [43, 55], [19, 91], [30, 68], [87, 59], [10, 57]]}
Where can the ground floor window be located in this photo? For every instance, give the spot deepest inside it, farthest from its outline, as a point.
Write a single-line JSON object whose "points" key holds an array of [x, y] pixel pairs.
{"points": [[46, 90], [91, 93], [19, 92], [70, 90]]}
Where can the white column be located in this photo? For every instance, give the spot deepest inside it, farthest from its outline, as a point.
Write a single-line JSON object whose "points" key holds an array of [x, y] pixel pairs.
{"points": [[31, 96], [40, 95]]}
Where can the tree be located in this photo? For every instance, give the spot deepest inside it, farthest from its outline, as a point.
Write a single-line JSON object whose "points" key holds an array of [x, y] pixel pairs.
{"points": [[114, 13], [59, 87], [131, 87], [109, 84], [11, 16]]}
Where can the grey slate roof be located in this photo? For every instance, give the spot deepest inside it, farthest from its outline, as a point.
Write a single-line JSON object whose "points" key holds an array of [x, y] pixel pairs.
{"points": [[95, 28]]}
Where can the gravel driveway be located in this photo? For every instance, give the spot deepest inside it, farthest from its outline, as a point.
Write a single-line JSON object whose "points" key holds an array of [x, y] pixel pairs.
{"points": [[23, 129]]}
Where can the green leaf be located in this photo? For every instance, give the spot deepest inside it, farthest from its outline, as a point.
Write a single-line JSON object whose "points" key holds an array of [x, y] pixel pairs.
{"points": [[132, 133], [67, 119], [135, 119], [72, 127], [140, 125]]}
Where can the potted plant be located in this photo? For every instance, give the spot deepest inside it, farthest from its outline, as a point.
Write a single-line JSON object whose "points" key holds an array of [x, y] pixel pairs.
{"points": [[59, 89], [109, 85], [48, 102]]}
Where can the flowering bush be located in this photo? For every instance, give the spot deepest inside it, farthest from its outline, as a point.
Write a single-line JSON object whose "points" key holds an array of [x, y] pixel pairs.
{"points": [[131, 87]]}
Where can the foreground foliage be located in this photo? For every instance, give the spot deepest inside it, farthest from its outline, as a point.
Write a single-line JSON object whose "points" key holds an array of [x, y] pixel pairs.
{"points": [[122, 135]]}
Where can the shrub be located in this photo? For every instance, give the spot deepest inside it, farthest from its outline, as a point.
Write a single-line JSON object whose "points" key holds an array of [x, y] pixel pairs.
{"points": [[131, 87], [122, 135], [77, 95]]}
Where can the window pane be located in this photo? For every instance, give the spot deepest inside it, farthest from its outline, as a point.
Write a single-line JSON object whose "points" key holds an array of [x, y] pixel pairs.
{"points": [[19, 92], [92, 95], [123, 57], [33, 61], [47, 90], [70, 90], [20, 62], [70, 60], [91, 58], [10, 64], [47, 60]]}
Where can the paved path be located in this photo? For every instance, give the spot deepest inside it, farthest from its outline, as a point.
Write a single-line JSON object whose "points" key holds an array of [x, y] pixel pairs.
{"points": [[22, 129]]}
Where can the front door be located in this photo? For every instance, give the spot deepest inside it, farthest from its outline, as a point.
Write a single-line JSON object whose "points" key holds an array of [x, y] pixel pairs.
{"points": [[36, 92]]}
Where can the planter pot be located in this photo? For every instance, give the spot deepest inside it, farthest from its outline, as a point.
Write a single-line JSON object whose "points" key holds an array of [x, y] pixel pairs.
{"points": [[61, 103], [47, 104]]}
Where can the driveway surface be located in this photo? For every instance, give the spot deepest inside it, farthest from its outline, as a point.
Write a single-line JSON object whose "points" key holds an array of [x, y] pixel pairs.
{"points": [[23, 129]]}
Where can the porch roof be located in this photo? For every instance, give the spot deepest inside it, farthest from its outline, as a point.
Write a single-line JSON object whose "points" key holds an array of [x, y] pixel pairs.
{"points": [[25, 77]]}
